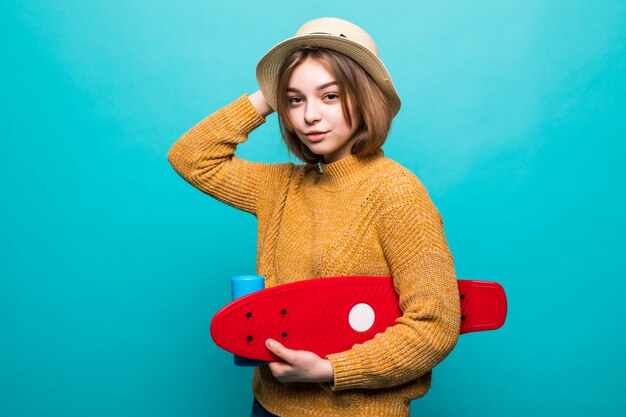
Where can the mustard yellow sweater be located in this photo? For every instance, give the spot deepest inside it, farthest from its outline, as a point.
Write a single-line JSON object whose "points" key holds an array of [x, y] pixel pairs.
{"points": [[356, 216]]}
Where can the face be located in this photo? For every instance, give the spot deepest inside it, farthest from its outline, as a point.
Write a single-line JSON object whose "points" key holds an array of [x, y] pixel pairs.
{"points": [[316, 114]]}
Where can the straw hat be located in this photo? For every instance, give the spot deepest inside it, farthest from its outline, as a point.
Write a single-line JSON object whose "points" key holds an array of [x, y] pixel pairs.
{"points": [[331, 33]]}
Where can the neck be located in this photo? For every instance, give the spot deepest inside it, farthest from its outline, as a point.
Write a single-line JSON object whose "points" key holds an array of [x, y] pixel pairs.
{"points": [[346, 171]]}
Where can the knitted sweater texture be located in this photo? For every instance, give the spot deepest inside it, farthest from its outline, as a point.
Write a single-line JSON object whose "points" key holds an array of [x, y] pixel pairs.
{"points": [[356, 216]]}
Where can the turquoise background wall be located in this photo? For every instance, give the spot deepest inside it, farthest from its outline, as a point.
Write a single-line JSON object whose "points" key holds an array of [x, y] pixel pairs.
{"points": [[112, 266]]}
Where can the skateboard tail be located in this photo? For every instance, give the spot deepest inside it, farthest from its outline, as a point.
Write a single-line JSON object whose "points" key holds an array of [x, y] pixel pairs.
{"points": [[483, 306]]}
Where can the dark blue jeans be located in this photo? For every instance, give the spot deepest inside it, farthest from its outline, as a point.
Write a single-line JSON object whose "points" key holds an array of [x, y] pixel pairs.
{"points": [[259, 411]]}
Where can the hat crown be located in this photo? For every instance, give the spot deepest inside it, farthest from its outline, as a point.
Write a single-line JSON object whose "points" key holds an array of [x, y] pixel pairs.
{"points": [[340, 28]]}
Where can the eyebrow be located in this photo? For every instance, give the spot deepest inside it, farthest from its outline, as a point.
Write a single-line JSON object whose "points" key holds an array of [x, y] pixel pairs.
{"points": [[321, 87]]}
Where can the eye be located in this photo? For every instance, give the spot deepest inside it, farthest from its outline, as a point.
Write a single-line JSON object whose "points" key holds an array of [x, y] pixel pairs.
{"points": [[294, 100], [332, 96]]}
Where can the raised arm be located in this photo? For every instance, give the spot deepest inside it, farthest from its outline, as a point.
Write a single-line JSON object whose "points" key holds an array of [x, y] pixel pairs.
{"points": [[204, 155]]}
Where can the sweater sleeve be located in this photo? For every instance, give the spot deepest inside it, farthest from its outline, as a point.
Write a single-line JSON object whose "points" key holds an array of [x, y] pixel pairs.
{"points": [[410, 230], [204, 156]]}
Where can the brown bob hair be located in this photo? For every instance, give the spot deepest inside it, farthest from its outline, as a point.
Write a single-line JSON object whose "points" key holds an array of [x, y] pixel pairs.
{"points": [[372, 110]]}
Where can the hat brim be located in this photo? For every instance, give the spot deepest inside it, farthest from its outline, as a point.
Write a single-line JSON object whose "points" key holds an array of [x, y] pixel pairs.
{"points": [[268, 67]]}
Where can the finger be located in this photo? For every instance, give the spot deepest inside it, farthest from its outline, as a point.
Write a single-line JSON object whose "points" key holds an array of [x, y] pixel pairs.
{"points": [[279, 350], [280, 370]]}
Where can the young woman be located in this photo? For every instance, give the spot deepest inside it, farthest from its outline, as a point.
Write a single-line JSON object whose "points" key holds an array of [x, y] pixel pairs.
{"points": [[348, 210]]}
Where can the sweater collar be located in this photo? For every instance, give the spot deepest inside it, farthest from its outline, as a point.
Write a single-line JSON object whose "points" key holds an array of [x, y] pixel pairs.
{"points": [[348, 170]]}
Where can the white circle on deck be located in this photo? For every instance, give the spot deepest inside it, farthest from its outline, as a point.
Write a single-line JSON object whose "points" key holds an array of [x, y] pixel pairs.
{"points": [[361, 317]]}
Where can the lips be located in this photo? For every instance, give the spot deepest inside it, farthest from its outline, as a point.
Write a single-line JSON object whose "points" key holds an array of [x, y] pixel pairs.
{"points": [[316, 136]]}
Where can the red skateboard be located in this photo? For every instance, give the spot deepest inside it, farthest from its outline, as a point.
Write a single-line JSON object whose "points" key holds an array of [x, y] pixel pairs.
{"points": [[329, 315]]}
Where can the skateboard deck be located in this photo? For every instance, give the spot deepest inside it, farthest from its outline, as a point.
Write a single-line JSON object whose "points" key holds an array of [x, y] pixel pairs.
{"points": [[328, 315]]}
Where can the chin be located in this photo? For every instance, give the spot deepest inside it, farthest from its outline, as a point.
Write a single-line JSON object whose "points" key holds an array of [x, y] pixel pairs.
{"points": [[319, 149]]}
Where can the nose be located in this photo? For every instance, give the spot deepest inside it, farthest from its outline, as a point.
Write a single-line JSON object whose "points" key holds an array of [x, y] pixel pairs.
{"points": [[312, 112]]}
